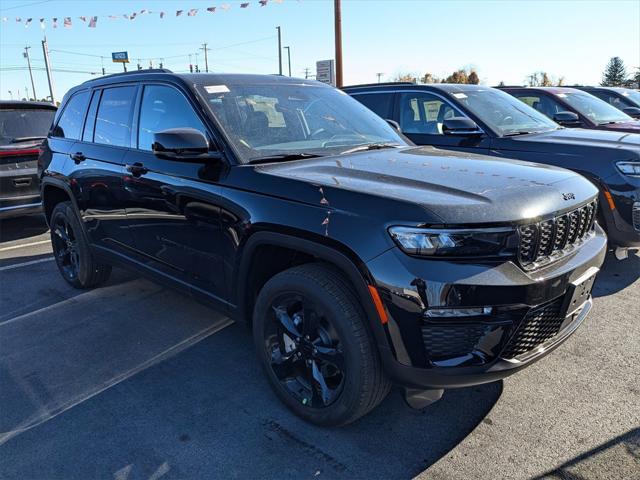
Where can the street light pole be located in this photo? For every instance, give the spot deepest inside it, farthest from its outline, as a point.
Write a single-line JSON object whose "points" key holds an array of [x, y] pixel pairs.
{"points": [[338, 34], [47, 64], [289, 58], [279, 50], [33, 87]]}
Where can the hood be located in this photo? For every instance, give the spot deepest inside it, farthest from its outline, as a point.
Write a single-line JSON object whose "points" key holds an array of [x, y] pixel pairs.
{"points": [[632, 126], [458, 187], [583, 138]]}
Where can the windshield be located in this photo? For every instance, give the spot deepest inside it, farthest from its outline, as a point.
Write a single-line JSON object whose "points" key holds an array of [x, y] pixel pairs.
{"points": [[596, 110], [504, 114], [266, 120], [632, 95], [23, 124]]}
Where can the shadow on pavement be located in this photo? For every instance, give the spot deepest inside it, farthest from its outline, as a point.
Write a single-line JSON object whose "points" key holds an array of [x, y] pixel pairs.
{"points": [[618, 458], [22, 227], [209, 413], [616, 275]]}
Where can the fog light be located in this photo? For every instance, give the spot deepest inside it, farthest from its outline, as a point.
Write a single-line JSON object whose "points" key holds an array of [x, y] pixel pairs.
{"points": [[458, 312]]}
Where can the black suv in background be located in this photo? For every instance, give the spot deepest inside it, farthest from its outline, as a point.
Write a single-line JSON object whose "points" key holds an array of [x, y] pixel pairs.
{"points": [[625, 99], [23, 127], [478, 119], [358, 260], [574, 108]]}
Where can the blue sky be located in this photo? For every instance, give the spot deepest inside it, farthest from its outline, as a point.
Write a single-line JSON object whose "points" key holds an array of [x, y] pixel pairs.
{"points": [[504, 40]]}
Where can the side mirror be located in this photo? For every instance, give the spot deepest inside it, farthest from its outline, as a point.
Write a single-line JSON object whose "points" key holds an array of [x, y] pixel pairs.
{"points": [[631, 111], [395, 125], [462, 126], [181, 144], [567, 119]]}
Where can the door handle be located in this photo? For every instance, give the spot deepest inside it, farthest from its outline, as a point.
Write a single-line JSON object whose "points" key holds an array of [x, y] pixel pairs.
{"points": [[78, 157], [136, 169]]}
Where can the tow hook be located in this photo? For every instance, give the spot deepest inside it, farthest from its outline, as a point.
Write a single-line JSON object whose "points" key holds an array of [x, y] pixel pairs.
{"points": [[621, 253], [419, 399]]}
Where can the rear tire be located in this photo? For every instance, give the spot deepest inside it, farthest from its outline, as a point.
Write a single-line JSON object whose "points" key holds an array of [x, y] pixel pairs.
{"points": [[71, 250], [311, 337]]}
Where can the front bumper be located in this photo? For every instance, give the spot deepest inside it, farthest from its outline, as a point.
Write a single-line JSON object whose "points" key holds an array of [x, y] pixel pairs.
{"points": [[527, 319]]}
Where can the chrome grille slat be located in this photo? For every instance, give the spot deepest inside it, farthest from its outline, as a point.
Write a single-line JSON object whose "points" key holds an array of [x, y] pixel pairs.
{"points": [[550, 239]]}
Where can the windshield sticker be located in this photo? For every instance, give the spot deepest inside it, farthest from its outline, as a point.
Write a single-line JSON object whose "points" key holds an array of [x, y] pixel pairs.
{"points": [[459, 95], [216, 88]]}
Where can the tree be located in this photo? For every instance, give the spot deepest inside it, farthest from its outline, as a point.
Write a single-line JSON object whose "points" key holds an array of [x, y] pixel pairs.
{"points": [[429, 78], [459, 76], [546, 81], [405, 77], [473, 78], [614, 74]]}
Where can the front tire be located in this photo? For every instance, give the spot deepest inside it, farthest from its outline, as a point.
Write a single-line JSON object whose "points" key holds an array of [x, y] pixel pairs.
{"points": [[311, 337], [71, 250]]}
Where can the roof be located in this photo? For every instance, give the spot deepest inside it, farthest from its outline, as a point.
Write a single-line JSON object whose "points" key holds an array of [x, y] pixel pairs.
{"points": [[447, 87], [553, 90], [26, 104]]}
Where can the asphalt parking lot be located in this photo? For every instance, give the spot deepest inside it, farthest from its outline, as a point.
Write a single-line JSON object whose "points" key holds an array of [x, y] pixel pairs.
{"points": [[135, 381]]}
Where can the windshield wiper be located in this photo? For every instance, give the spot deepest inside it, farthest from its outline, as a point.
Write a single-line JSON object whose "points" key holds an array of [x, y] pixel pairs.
{"points": [[26, 139], [371, 146], [521, 132], [283, 157]]}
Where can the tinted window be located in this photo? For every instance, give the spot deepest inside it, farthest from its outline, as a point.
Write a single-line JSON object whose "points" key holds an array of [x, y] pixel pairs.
{"points": [[113, 121], [592, 107], [87, 136], [163, 108], [424, 113], [381, 103], [70, 123], [541, 103], [24, 124]]}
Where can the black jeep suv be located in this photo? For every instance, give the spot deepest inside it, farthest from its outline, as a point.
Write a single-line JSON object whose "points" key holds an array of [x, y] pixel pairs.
{"points": [[479, 119], [358, 260]]}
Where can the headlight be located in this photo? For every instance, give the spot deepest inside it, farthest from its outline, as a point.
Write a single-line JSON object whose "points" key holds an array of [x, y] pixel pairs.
{"points": [[629, 168], [482, 242]]}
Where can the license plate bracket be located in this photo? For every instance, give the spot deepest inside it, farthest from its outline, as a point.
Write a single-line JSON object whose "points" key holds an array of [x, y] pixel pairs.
{"points": [[578, 292]]}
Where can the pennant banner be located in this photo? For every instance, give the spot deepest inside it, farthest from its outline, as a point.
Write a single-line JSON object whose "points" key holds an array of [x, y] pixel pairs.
{"points": [[92, 21]]}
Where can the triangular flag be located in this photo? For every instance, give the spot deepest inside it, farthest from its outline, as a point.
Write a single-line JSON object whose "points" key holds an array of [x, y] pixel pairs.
{"points": [[67, 22], [244, 5], [27, 22], [84, 19], [211, 9], [92, 22], [114, 17], [178, 13], [133, 16], [18, 20], [263, 3], [42, 25], [161, 14], [55, 22], [225, 6], [192, 13]]}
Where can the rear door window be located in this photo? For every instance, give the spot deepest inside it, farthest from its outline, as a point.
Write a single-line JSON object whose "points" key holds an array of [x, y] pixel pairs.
{"points": [[380, 103], [72, 117], [113, 120]]}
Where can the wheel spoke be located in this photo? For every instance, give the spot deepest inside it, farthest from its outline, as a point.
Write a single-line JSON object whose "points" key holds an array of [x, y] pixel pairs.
{"points": [[286, 321], [330, 355], [61, 234], [309, 323], [325, 392]]}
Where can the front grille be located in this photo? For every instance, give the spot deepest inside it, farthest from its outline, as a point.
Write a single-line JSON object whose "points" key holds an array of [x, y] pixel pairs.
{"points": [[543, 242], [636, 216], [448, 341], [537, 327]]}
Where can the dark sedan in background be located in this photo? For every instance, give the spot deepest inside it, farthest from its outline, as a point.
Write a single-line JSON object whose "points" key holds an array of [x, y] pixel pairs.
{"points": [[625, 99], [486, 120], [571, 107], [23, 127]]}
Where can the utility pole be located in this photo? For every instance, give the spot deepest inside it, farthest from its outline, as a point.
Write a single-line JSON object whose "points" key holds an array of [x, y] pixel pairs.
{"points": [[306, 73], [102, 64], [47, 65], [33, 87], [11, 94], [190, 64], [338, 34], [279, 50], [379, 75], [206, 60], [289, 57]]}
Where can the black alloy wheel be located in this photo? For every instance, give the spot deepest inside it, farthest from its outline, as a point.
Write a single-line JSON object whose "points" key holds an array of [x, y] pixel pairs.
{"points": [[65, 248]]}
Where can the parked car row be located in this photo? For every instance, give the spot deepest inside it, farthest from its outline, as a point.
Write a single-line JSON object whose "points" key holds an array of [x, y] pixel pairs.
{"points": [[484, 120], [359, 259]]}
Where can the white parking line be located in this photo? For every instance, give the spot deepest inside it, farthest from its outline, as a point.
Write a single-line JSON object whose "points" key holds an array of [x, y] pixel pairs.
{"points": [[24, 245], [55, 410], [24, 264]]}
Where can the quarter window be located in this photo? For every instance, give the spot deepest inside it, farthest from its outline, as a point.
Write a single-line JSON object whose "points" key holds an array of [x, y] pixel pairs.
{"points": [[113, 121], [70, 123], [164, 108], [423, 113]]}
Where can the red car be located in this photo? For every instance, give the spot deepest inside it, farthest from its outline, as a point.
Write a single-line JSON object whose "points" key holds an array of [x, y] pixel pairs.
{"points": [[23, 127], [571, 107]]}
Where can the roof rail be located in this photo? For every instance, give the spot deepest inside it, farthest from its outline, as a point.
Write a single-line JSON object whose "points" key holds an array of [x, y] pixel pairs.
{"points": [[131, 72], [379, 84]]}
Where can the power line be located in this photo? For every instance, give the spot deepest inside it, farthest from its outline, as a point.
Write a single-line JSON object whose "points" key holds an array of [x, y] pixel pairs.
{"points": [[25, 5]]}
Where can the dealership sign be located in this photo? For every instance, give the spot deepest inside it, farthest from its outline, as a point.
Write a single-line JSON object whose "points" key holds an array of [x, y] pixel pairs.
{"points": [[120, 57], [326, 72]]}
